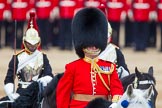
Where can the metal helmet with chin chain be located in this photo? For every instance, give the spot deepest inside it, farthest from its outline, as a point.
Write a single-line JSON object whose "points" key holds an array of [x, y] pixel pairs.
{"points": [[31, 35]]}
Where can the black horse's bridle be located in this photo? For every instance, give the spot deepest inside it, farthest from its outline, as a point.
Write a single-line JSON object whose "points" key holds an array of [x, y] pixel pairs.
{"points": [[136, 82]]}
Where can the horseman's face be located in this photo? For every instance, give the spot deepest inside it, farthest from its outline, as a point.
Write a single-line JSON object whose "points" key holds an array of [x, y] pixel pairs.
{"points": [[31, 47]]}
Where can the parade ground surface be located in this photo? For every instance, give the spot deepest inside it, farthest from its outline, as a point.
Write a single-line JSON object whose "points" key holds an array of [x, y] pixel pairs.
{"points": [[58, 59]]}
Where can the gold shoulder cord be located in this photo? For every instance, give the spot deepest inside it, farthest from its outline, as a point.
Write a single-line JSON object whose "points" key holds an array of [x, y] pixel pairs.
{"points": [[97, 69]]}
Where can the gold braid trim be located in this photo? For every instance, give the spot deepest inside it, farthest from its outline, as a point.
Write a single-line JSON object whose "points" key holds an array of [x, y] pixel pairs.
{"points": [[97, 69]]}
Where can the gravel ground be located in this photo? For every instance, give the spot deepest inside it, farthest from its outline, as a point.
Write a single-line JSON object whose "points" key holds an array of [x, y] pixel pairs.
{"points": [[58, 59]]}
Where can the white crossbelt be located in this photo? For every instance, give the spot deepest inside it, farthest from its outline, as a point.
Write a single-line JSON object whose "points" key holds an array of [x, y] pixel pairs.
{"points": [[24, 84]]}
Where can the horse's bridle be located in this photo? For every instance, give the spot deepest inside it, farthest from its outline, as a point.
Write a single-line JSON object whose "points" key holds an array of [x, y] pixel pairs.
{"points": [[136, 82]]}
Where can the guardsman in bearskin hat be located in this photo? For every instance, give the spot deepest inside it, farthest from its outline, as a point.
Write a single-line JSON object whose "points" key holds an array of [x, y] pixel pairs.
{"points": [[88, 77], [28, 65], [142, 10], [5, 19], [67, 9], [116, 14]]}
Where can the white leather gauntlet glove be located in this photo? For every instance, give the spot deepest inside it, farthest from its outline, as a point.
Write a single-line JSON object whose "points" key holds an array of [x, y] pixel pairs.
{"points": [[45, 80], [113, 105], [9, 89]]}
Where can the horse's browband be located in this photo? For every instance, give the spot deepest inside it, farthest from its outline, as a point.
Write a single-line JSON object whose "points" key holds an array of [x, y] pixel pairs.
{"points": [[146, 82]]}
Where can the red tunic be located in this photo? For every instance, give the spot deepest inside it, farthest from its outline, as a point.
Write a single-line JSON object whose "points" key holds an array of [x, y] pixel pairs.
{"points": [[67, 8], [142, 9], [159, 10], [115, 9], [43, 8], [19, 9], [78, 79], [92, 3], [3, 4]]}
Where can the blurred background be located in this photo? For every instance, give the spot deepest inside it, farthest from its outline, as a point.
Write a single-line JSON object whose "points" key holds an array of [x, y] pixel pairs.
{"points": [[141, 20], [136, 24]]}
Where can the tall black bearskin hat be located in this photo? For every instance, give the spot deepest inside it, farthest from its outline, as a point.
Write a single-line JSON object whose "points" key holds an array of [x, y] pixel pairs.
{"points": [[89, 28]]}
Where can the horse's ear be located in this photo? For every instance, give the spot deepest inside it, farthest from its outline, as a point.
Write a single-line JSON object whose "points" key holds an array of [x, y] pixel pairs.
{"points": [[150, 70], [129, 90], [148, 92], [137, 72]]}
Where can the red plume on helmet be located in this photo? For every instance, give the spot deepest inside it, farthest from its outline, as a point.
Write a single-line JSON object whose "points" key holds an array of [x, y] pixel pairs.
{"points": [[33, 20], [32, 24]]}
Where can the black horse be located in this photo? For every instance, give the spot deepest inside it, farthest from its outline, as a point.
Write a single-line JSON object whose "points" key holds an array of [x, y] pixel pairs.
{"points": [[49, 100], [35, 96], [142, 80], [28, 98]]}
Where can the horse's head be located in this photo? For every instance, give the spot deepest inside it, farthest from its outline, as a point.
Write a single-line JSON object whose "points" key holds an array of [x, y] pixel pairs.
{"points": [[135, 98], [143, 80]]}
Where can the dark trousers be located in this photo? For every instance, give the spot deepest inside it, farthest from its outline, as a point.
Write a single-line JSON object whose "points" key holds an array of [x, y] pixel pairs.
{"points": [[128, 33], [115, 34], [141, 32], [1, 24], [152, 34], [19, 33], [54, 32], [43, 25], [9, 33], [160, 24], [65, 35]]}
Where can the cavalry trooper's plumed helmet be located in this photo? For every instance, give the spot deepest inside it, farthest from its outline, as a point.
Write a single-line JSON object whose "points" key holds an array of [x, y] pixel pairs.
{"points": [[89, 28], [31, 35]]}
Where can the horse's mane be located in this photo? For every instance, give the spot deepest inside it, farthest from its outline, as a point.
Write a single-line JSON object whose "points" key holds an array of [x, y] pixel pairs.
{"points": [[28, 96], [51, 87], [127, 80]]}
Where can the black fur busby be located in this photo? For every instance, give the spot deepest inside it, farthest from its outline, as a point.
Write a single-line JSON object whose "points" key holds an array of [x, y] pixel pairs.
{"points": [[89, 28]]}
